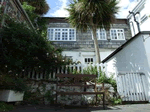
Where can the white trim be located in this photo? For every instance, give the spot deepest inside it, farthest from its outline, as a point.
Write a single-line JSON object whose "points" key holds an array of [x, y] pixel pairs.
{"points": [[61, 34], [117, 34]]}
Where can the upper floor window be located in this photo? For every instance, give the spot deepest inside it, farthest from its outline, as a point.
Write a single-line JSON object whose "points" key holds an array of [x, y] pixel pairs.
{"points": [[101, 34], [61, 34], [117, 34]]}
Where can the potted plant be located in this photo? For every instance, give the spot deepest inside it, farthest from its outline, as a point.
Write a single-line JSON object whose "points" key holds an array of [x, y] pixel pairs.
{"points": [[11, 88]]}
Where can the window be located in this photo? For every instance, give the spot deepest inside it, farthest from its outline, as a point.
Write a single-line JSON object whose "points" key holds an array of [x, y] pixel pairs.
{"points": [[61, 34], [88, 60], [117, 34], [101, 34]]}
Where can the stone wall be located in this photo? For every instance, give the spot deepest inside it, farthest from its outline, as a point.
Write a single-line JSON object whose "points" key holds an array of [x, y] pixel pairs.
{"points": [[66, 99]]}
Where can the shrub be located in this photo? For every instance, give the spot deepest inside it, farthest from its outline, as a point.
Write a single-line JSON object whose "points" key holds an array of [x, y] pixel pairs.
{"points": [[5, 107], [7, 82]]}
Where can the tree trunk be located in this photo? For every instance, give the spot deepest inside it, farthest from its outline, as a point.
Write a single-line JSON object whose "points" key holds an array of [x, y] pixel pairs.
{"points": [[97, 53]]}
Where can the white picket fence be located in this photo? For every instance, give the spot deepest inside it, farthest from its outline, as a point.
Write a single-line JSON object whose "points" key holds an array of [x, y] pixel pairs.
{"points": [[65, 69], [131, 86]]}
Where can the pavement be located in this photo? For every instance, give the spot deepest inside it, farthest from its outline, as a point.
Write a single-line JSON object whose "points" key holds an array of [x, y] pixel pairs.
{"points": [[118, 108]]}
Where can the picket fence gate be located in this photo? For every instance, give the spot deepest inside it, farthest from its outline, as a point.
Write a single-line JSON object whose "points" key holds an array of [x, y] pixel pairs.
{"points": [[64, 69], [131, 86]]}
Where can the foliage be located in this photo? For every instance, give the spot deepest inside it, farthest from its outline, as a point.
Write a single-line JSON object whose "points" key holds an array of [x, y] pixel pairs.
{"points": [[41, 7], [9, 82], [30, 11], [110, 80], [38, 22], [116, 101], [31, 98], [5, 107], [24, 50], [90, 70], [92, 14], [102, 79]]}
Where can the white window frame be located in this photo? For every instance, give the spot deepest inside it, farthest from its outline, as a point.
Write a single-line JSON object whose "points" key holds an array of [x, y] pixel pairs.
{"points": [[117, 34], [98, 34], [61, 32]]}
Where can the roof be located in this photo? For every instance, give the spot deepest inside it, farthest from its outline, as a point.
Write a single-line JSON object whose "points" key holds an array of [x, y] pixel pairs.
{"points": [[124, 45]]}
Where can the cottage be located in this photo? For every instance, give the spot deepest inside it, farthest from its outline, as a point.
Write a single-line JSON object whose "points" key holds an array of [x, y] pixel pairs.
{"points": [[80, 46]]}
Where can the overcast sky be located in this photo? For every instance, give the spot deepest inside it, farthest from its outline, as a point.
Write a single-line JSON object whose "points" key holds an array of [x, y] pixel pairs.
{"points": [[57, 8]]}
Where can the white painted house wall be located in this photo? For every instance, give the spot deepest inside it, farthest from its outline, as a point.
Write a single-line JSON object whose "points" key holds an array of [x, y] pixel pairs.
{"points": [[80, 55], [143, 7], [134, 57]]}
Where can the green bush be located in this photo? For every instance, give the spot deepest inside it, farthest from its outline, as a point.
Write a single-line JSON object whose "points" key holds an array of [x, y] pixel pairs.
{"points": [[23, 49], [116, 101], [31, 98], [8, 82], [5, 107]]}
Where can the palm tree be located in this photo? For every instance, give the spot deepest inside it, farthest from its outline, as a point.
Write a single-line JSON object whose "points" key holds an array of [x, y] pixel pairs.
{"points": [[92, 14], [41, 6]]}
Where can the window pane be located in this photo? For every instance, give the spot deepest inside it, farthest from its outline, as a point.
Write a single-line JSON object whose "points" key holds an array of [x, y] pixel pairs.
{"points": [[102, 34], [85, 59], [91, 59], [50, 34]]}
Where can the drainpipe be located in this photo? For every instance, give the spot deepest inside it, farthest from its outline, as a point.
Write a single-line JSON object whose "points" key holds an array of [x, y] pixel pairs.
{"points": [[138, 25]]}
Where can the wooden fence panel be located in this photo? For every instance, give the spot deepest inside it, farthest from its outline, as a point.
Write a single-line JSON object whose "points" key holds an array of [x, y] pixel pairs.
{"points": [[131, 87]]}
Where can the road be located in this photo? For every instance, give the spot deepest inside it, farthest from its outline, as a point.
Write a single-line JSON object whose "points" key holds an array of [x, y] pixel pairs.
{"points": [[118, 108]]}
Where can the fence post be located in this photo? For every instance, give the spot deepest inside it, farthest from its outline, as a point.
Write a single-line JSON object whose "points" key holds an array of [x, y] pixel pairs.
{"points": [[106, 72]]}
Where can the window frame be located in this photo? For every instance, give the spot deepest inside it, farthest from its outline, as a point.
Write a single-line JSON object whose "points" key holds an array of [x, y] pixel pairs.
{"points": [[98, 33], [61, 33], [117, 34], [99, 37]]}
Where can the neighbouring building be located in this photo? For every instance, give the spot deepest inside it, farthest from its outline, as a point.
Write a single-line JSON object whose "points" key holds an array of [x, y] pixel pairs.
{"points": [[13, 9], [80, 46], [131, 61], [131, 65], [142, 16]]}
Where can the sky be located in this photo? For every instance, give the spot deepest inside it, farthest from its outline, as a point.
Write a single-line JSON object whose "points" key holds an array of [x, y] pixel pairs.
{"points": [[57, 8]]}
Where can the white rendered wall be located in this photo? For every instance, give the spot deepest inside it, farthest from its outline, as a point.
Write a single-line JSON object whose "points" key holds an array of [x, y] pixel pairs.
{"points": [[132, 58], [146, 40], [80, 55]]}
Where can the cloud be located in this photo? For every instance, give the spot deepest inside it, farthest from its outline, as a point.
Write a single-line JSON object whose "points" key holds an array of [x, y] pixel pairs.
{"points": [[125, 7], [61, 12]]}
